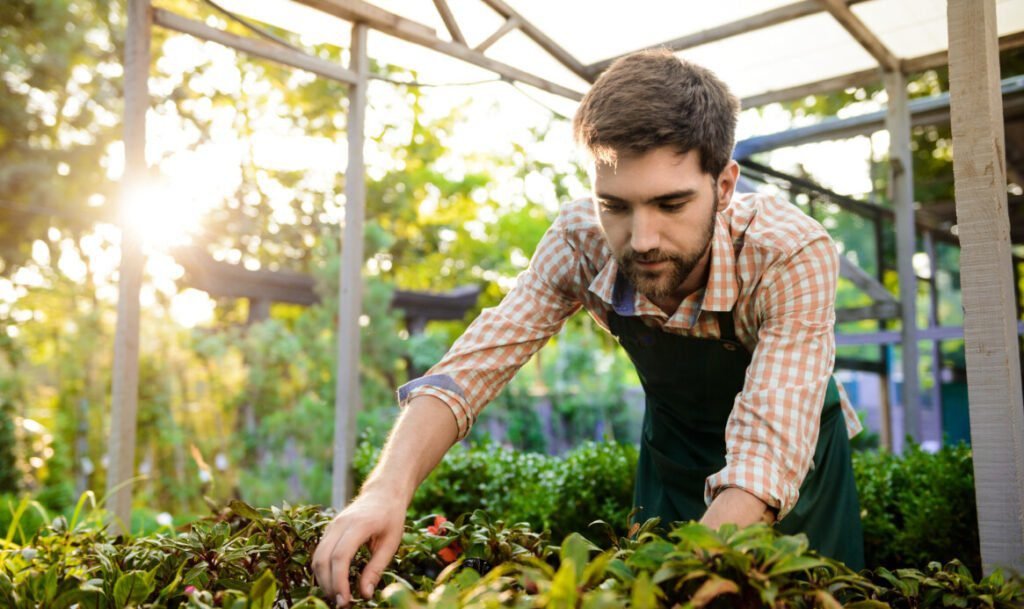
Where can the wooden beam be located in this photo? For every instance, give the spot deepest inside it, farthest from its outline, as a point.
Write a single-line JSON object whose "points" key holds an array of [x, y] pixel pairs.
{"points": [[251, 46], [357, 11], [510, 24], [863, 209], [891, 337], [923, 111], [864, 78], [449, 21], [782, 14], [542, 39], [862, 34], [347, 394], [125, 381], [878, 310], [1008, 42], [901, 183], [360, 12], [867, 284], [991, 343]]}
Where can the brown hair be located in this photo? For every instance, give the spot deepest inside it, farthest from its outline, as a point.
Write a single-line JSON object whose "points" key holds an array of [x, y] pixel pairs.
{"points": [[651, 99]]}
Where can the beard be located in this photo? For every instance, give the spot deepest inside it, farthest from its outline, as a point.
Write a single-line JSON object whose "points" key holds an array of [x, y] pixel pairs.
{"points": [[664, 283]]}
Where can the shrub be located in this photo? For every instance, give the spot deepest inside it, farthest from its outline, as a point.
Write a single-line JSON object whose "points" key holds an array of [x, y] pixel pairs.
{"points": [[562, 494], [901, 497], [919, 507]]}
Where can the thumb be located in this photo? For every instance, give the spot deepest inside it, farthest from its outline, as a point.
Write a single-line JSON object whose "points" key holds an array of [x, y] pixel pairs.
{"points": [[382, 555]]}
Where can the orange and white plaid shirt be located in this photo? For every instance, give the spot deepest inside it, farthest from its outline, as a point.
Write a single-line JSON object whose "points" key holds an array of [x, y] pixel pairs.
{"points": [[771, 264]]}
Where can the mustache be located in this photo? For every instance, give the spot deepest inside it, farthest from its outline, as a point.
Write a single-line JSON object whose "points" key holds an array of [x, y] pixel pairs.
{"points": [[646, 257]]}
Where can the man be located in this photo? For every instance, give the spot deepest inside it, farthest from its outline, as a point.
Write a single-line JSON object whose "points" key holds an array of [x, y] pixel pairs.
{"points": [[724, 304]]}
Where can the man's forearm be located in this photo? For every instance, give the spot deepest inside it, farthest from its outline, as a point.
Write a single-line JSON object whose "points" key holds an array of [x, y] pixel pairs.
{"points": [[737, 506], [423, 434]]}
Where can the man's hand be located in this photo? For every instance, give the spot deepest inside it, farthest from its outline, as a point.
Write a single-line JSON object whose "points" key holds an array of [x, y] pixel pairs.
{"points": [[374, 519], [736, 506]]}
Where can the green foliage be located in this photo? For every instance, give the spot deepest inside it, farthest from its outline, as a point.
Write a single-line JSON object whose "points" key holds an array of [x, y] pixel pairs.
{"points": [[10, 477], [562, 494], [901, 498], [919, 507], [247, 558]]}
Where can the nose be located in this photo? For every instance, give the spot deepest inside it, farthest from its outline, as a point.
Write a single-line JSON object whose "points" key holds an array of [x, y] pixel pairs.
{"points": [[645, 235]]}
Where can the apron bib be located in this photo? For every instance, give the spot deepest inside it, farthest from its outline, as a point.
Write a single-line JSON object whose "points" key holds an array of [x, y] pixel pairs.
{"points": [[690, 386]]}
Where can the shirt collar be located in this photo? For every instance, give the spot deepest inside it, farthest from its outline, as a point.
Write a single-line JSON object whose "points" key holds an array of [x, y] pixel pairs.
{"points": [[722, 287], [719, 294]]}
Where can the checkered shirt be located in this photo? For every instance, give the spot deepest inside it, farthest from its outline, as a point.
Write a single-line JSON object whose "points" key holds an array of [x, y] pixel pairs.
{"points": [[771, 264]]}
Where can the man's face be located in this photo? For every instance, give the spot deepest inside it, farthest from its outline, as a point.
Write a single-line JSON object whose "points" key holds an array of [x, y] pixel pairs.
{"points": [[657, 211]]}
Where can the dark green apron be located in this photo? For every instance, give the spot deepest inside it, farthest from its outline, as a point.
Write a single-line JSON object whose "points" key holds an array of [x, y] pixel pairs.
{"points": [[691, 385]]}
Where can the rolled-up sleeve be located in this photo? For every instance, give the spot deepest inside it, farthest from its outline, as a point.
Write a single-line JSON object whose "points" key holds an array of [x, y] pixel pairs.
{"points": [[773, 429], [503, 338]]}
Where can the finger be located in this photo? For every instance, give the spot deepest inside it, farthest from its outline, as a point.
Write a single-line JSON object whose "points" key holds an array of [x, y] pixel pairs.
{"points": [[322, 559], [383, 551], [341, 560]]}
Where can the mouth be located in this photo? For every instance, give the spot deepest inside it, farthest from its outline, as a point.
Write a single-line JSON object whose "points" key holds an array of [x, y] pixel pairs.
{"points": [[650, 266]]}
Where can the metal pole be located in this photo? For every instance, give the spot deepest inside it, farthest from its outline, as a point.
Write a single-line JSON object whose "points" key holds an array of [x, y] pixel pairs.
{"points": [[125, 384], [902, 184], [347, 398]]}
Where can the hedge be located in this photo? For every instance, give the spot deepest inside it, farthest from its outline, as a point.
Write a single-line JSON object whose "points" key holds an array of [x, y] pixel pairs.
{"points": [[902, 498]]}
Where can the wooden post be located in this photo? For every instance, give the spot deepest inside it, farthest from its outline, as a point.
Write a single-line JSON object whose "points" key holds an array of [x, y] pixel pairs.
{"points": [[933, 322], [901, 177], [885, 433], [990, 325], [350, 297], [125, 383]]}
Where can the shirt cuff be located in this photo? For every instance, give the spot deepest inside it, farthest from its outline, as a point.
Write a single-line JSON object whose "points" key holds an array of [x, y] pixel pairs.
{"points": [[444, 388], [759, 477]]}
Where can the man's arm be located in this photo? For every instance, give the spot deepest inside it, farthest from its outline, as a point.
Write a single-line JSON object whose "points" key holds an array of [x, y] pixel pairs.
{"points": [[439, 408], [376, 517], [773, 429]]}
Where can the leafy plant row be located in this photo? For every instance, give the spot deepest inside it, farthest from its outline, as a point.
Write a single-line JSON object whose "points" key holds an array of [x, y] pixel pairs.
{"points": [[247, 558], [901, 497]]}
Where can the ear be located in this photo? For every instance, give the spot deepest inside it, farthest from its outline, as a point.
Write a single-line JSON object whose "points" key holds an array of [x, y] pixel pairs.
{"points": [[726, 183]]}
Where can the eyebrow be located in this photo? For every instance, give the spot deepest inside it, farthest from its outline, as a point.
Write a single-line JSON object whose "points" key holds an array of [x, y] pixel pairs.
{"points": [[669, 196]]}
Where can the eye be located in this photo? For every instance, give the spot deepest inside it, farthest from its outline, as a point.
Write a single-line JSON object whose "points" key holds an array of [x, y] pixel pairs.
{"points": [[612, 207], [672, 207]]}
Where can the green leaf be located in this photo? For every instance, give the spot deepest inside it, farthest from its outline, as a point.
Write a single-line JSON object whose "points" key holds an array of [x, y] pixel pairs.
{"points": [[311, 602], [595, 571], [645, 593], [263, 592], [172, 587], [790, 564], [620, 571], [868, 605], [131, 588], [697, 536], [245, 510], [564, 591], [577, 549]]}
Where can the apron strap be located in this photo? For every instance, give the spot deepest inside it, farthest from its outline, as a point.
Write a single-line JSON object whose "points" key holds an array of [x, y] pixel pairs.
{"points": [[726, 326]]}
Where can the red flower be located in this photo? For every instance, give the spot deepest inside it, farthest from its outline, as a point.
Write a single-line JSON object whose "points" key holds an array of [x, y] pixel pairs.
{"points": [[189, 590], [435, 529], [450, 552]]}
